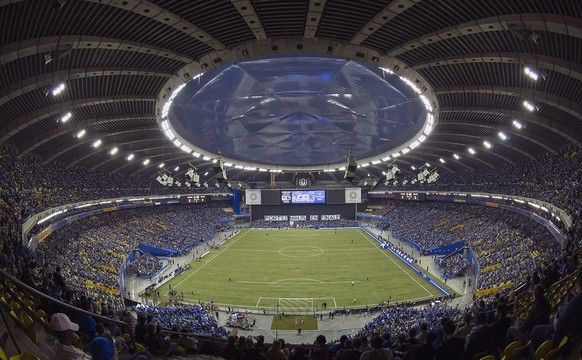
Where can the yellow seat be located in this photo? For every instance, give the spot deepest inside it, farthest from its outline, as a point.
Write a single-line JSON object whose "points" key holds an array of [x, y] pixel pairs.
{"points": [[517, 352], [139, 346], [77, 342], [489, 357], [29, 304], [16, 317], [41, 315], [29, 327], [3, 355], [509, 349], [544, 349], [25, 356], [554, 352]]}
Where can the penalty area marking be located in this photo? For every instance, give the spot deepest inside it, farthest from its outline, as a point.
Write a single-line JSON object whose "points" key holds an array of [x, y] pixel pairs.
{"points": [[395, 263]]}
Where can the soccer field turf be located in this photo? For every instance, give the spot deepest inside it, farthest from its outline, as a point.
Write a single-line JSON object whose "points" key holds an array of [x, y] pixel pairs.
{"points": [[301, 269]]}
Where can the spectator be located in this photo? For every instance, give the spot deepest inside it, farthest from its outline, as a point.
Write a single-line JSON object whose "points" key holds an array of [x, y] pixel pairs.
{"points": [[64, 330], [377, 352]]}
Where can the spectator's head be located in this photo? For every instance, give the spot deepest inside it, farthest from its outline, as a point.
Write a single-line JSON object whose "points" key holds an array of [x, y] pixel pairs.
{"points": [[376, 341], [357, 343], [320, 340], [538, 291], [343, 339], [64, 328], [423, 326], [276, 347], [448, 328], [430, 337], [101, 349]]}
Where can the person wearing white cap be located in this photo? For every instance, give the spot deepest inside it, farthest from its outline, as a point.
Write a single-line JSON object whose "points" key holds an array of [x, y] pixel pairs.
{"points": [[64, 328]]}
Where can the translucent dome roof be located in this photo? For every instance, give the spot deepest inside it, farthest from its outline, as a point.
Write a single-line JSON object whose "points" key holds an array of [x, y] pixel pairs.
{"points": [[297, 111]]}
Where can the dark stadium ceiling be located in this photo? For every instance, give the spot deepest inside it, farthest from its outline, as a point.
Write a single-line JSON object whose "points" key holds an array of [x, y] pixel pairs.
{"points": [[121, 61]]}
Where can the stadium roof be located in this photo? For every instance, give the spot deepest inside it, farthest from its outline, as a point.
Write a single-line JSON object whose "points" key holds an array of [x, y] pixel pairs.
{"points": [[122, 61]]}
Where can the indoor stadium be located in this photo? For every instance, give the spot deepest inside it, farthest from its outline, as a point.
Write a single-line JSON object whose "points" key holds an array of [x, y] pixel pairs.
{"points": [[290, 179]]}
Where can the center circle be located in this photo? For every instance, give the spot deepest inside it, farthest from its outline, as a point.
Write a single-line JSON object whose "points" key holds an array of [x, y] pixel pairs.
{"points": [[301, 251]]}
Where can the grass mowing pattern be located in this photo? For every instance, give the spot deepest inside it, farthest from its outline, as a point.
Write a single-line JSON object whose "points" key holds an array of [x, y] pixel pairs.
{"points": [[300, 269]]}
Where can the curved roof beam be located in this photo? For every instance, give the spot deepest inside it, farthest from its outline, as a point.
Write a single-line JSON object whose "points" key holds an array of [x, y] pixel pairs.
{"points": [[478, 146], [48, 157], [558, 102], [64, 44], [529, 137], [106, 148], [47, 136], [546, 123], [313, 18], [389, 12], [566, 25], [156, 13], [247, 12], [561, 66], [31, 118], [46, 80]]}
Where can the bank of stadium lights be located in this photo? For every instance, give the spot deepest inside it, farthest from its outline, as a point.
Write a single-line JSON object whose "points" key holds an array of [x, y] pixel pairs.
{"points": [[97, 143], [146, 161], [517, 124], [456, 156], [487, 144], [502, 135], [176, 168], [531, 73], [80, 134], [528, 105], [113, 151], [471, 151], [66, 117], [413, 167], [130, 157], [58, 89], [161, 165], [442, 160]]}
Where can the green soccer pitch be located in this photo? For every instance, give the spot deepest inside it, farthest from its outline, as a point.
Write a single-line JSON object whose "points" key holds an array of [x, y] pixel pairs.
{"points": [[300, 269]]}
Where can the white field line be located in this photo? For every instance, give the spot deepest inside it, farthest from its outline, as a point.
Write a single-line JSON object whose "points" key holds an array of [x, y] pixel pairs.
{"points": [[395, 263], [209, 260]]}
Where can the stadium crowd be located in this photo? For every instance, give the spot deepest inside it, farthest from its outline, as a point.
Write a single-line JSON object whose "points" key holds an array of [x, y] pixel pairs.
{"points": [[146, 265], [37, 186], [452, 266], [493, 234], [99, 244], [27, 187]]}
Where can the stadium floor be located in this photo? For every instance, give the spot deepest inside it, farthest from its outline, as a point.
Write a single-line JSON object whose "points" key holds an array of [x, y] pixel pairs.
{"points": [[331, 328]]}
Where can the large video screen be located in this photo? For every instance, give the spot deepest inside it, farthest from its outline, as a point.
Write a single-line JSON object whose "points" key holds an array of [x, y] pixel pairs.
{"points": [[303, 197]]}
